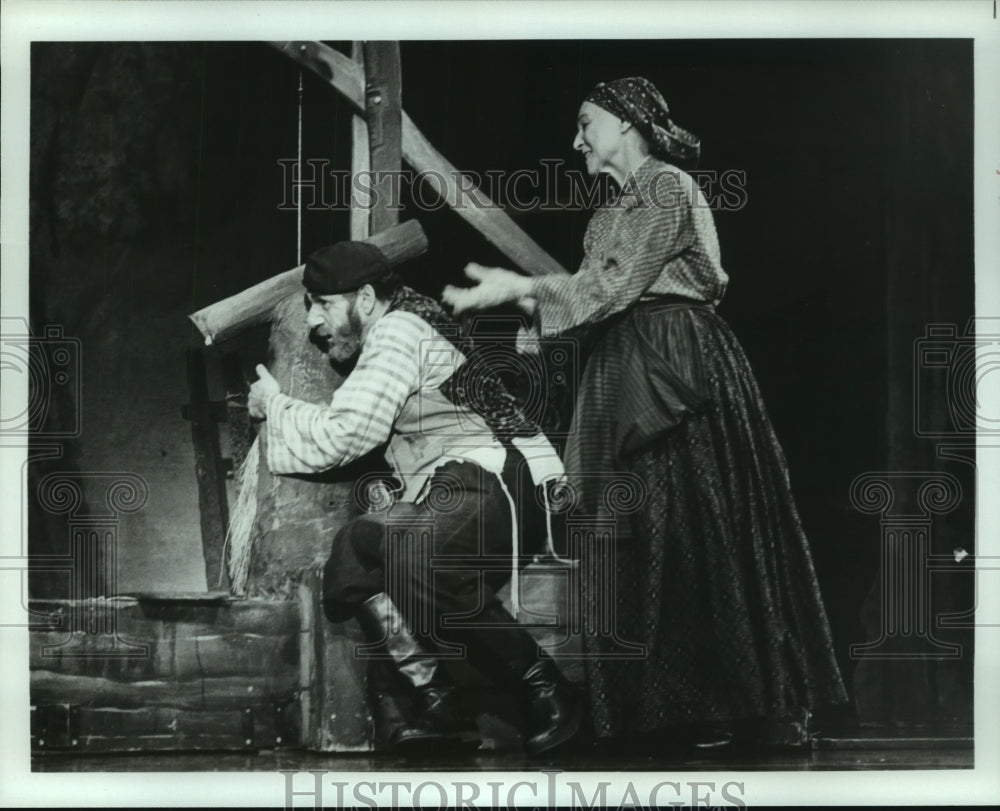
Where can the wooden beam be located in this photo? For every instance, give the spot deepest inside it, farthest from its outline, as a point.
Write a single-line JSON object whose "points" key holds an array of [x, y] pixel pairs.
{"points": [[218, 692], [213, 506], [476, 207], [473, 206], [360, 158], [383, 112], [346, 75], [253, 306], [164, 729]]}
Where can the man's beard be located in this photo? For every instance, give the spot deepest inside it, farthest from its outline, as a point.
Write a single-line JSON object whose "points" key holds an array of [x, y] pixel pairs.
{"points": [[344, 346]]}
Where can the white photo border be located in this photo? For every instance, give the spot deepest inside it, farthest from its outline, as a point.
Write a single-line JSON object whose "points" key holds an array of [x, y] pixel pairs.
{"points": [[82, 20]]}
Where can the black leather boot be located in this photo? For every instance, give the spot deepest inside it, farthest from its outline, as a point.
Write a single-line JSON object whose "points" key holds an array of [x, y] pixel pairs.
{"points": [[552, 706], [436, 717]]}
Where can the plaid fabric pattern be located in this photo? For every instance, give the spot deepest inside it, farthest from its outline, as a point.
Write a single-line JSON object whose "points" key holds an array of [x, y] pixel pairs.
{"points": [[309, 438], [415, 390], [657, 239]]}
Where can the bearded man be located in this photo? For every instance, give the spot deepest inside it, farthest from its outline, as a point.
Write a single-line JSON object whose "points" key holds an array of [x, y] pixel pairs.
{"points": [[456, 440]]}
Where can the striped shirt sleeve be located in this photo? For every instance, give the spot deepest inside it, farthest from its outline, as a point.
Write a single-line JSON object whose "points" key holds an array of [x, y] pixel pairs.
{"points": [[630, 246], [309, 438]]}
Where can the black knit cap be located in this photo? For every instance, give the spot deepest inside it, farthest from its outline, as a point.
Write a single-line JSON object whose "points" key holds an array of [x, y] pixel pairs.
{"points": [[343, 268]]}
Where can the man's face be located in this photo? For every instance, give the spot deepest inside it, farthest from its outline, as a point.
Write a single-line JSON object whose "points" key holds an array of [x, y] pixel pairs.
{"points": [[335, 322]]}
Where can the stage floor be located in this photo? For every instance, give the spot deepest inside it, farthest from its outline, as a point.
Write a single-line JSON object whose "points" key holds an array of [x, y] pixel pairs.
{"points": [[836, 754]]}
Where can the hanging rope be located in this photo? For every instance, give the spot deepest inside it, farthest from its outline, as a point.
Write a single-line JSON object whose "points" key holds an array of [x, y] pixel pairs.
{"points": [[298, 245]]}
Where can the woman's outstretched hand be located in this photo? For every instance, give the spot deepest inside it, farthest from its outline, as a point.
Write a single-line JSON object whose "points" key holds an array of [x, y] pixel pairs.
{"points": [[494, 286]]}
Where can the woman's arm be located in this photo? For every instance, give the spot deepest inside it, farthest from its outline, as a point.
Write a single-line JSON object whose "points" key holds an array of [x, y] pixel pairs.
{"points": [[630, 246], [494, 287], [623, 263]]}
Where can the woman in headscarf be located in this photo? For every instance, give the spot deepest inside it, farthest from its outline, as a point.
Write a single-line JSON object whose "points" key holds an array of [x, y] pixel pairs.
{"points": [[712, 571]]}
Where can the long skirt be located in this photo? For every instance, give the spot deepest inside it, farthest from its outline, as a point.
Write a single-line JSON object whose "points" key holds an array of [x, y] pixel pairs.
{"points": [[716, 609]]}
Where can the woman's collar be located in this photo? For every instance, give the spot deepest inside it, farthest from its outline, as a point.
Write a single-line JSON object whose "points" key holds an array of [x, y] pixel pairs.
{"points": [[631, 190]]}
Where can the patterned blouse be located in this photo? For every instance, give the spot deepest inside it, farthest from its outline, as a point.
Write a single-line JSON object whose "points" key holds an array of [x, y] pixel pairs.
{"points": [[657, 238]]}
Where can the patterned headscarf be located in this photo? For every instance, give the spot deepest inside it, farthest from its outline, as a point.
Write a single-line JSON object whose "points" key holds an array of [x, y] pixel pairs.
{"points": [[637, 100]]}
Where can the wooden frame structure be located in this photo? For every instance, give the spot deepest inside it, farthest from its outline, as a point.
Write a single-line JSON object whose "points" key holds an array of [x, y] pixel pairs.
{"points": [[383, 137], [269, 669]]}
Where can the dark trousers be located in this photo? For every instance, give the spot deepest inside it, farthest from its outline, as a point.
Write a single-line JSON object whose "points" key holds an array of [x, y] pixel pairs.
{"points": [[442, 562]]}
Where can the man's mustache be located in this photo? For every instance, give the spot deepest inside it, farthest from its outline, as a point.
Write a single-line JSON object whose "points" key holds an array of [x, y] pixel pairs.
{"points": [[320, 341]]}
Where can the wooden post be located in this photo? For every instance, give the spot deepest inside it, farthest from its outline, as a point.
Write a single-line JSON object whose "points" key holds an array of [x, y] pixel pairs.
{"points": [[334, 700], [297, 516], [297, 520], [383, 111], [209, 468], [376, 146], [360, 156]]}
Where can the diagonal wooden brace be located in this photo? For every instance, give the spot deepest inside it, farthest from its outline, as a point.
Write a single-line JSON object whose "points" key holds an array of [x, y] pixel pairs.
{"points": [[232, 315], [468, 201]]}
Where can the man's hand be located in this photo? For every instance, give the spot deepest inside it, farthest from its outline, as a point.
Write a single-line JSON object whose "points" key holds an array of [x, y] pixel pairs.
{"points": [[260, 393]]}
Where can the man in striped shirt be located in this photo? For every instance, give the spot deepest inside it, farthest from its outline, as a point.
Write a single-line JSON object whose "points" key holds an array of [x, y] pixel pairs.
{"points": [[458, 444]]}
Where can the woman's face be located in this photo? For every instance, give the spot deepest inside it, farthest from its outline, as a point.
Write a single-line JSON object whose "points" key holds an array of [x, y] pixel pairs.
{"points": [[598, 137]]}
